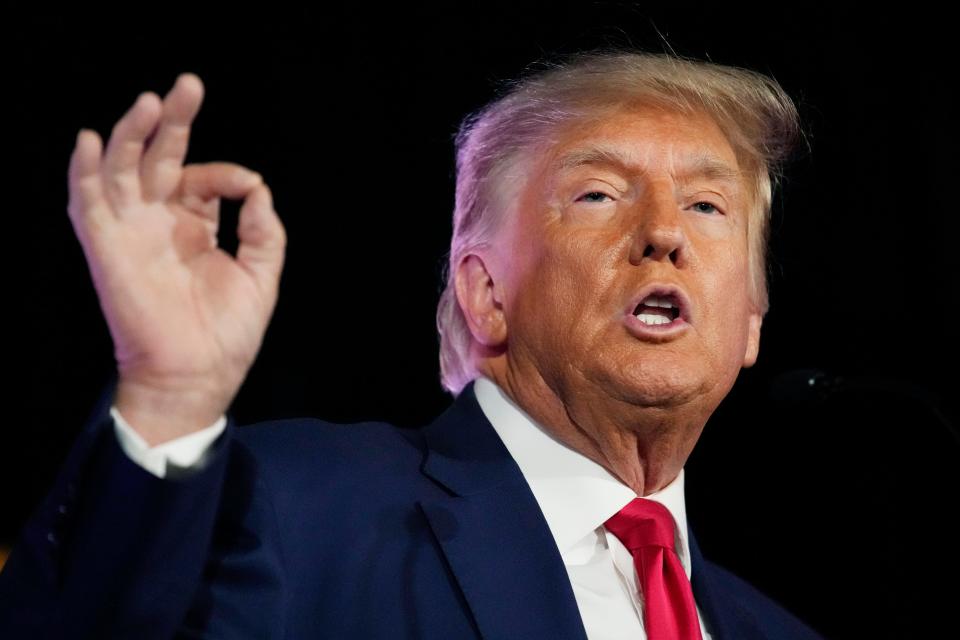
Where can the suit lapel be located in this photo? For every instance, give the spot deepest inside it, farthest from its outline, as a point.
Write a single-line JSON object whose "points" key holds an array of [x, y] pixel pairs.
{"points": [[493, 533]]}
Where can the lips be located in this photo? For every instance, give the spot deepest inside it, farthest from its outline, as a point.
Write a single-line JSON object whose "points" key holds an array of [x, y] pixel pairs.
{"points": [[658, 310], [662, 301]]}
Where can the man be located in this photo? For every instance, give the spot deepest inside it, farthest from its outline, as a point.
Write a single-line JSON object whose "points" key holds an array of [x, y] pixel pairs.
{"points": [[606, 285]]}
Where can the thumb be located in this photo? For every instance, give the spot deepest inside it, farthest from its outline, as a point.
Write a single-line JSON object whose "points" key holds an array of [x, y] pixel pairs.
{"points": [[263, 239]]}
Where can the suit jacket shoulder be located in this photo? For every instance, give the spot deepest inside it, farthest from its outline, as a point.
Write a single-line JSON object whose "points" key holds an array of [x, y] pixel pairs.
{"points": [[308, 529]]}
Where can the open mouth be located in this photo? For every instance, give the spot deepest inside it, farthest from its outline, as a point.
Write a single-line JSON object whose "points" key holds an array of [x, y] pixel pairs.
{"points": [[657, 309]]}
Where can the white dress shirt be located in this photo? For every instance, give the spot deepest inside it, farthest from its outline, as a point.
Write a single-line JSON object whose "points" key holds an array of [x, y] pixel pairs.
{"points": [[186, 451], [575, 494]]}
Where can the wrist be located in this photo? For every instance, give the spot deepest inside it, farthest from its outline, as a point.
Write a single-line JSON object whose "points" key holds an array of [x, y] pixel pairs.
{"points": [[160, 415]]}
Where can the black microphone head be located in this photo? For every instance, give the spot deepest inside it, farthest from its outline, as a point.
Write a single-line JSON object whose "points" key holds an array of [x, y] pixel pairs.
{"points": [[799, 388]]}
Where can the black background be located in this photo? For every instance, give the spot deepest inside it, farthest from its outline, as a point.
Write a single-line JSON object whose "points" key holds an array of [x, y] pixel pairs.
{"points": [[842, 510]]}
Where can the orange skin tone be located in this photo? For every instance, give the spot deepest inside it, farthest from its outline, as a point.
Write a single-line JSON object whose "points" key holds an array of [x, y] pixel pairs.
{"points": [[546, 302]]}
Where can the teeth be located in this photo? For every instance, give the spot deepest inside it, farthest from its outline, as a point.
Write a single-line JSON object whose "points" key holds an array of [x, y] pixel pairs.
{"points": [[654, 301], [648, 318]]}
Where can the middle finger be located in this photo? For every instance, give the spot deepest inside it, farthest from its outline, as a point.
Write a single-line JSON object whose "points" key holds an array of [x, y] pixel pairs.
{"points": [[121, 159]]}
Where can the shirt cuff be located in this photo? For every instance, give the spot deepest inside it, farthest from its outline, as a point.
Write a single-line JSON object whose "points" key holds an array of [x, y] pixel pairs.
{"points": [[189, 451]]}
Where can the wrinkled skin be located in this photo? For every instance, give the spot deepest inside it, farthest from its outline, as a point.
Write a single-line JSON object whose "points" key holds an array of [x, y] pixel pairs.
{"points": [[187, 318], [546, 303]]}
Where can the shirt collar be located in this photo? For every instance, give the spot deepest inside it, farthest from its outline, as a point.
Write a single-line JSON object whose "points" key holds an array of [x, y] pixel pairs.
{"points": [[575, 494]]}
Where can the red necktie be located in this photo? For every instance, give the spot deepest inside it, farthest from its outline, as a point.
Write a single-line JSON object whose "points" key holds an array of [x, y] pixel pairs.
{"points": [[646, 529]]}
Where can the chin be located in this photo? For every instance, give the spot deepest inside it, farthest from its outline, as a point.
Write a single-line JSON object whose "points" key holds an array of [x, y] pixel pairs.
{"points": [[660, 385]]}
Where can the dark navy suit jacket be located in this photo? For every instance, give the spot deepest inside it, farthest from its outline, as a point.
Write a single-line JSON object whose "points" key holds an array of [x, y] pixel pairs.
{"points": [[304, 529]]}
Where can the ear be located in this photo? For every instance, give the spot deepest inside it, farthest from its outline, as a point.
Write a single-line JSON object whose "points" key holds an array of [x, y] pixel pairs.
{"points": [[753, 339], [480, 300]]}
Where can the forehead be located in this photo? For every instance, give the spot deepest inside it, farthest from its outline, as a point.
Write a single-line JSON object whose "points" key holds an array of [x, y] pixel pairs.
{"points": [[647, 140]]}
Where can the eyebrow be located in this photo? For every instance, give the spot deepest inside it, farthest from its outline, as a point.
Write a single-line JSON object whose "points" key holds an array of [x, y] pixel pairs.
{"points": [[703, 165]]}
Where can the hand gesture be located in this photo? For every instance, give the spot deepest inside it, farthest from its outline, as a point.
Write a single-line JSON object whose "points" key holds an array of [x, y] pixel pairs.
{"points": [[187, 319]]}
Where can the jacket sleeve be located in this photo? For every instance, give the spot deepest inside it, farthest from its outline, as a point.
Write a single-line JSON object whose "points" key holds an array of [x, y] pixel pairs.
{"points": [[115, 552]]}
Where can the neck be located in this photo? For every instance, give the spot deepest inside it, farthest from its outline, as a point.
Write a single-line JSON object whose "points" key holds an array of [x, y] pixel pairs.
{"points": [[645, 447]]}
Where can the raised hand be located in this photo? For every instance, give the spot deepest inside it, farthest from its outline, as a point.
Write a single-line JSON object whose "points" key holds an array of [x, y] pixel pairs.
{"points": [[187, 318]]}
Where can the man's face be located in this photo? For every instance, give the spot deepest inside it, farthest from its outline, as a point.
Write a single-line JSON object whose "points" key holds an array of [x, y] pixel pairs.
{"points": [[625, 264]]}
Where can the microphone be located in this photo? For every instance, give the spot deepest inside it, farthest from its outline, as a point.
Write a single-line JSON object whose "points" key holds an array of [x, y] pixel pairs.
{"points": [[801, 388]]}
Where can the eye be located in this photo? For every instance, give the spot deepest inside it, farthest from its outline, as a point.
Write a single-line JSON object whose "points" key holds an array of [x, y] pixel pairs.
{"points": [[594, 196], [706, 207]]}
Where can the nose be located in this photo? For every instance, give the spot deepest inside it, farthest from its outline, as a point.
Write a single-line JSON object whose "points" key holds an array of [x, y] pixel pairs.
{"points": [[659, 230]]}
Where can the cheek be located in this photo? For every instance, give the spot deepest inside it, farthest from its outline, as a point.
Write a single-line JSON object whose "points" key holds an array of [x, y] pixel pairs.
{"points": [[565, 290], [731, 310], [583, 271]]}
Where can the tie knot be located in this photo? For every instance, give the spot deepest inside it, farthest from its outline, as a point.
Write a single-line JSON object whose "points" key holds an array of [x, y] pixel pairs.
{"points": [[643, 523]]}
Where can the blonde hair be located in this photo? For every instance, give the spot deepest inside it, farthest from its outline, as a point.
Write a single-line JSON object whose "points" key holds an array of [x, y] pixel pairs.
{"points": [[757, 116]]}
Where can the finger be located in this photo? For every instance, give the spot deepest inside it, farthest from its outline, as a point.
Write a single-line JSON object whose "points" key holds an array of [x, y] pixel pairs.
{"points": [[163, 160], [204, 182], [262, 240], [202, 186], [209, 210], [86, 205], [121, 162], [83, 174]]}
